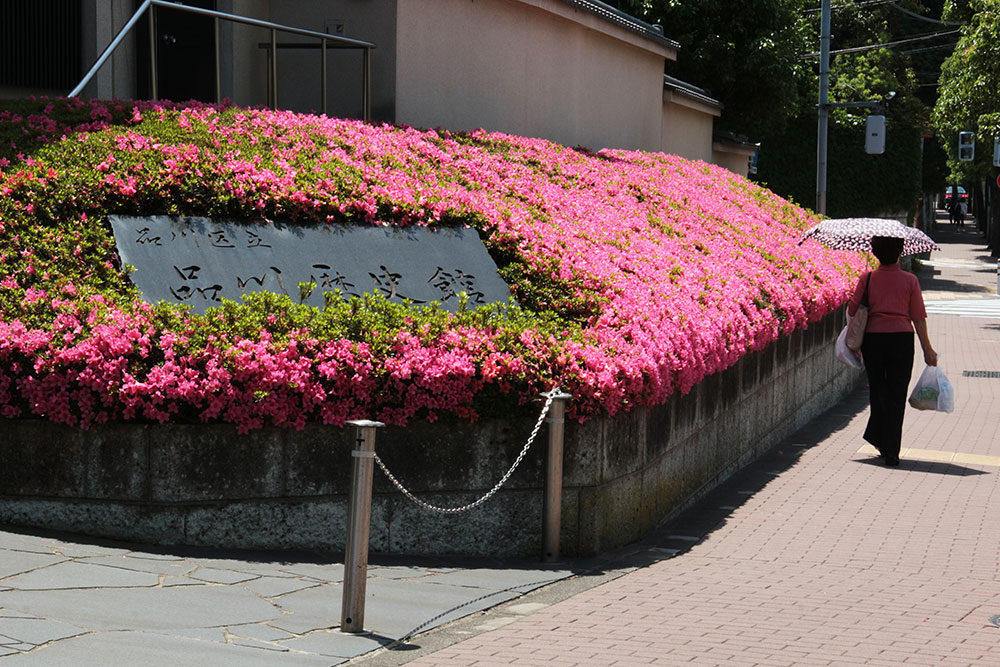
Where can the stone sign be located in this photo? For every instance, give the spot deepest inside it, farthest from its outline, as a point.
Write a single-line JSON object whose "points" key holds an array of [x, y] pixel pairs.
{"points": [[200, 261]]}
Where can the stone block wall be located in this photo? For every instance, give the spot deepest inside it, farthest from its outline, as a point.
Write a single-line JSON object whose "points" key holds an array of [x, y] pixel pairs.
{"points": [[273, 488]]}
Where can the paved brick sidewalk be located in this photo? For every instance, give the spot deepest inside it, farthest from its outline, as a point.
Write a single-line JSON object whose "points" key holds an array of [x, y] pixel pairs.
{"points": [[963, 269], [818, 554]]}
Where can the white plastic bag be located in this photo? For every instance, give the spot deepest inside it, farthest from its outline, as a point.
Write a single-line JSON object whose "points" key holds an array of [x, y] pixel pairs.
{"points": [[933, 391], [846, 354]]}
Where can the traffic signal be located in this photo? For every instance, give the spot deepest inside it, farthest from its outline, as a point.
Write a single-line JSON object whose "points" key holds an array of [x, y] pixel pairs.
{"points": [[875, 134], [966, 146]]}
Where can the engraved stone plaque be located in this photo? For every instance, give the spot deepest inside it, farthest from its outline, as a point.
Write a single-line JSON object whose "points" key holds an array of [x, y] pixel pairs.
{"points": [[200, 261]]}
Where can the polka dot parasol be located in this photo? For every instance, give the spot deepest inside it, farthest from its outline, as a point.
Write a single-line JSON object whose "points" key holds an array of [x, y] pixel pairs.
{"points": [[856, 234]]}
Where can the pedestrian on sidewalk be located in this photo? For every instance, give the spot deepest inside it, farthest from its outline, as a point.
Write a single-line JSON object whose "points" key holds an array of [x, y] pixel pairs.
{"points": [[896, 310]]}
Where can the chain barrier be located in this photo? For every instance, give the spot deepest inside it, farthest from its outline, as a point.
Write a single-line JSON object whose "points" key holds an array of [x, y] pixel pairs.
{"points": [[489, 494]]}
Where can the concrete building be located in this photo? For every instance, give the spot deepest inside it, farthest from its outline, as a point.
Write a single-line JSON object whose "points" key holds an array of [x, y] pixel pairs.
{"points": [[577, 72]]}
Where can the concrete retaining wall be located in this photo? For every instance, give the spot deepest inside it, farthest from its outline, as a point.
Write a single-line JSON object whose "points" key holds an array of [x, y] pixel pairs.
{"points": [[272, 488]]}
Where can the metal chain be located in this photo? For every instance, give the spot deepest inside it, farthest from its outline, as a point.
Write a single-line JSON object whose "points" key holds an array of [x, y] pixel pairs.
{"points": [[489, 494]]}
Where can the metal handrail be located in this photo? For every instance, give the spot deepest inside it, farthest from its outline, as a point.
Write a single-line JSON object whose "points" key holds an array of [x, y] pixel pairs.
{"points": [[274, 27]]}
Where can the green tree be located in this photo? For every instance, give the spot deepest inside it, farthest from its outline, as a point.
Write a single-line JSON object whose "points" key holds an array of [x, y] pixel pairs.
{"points": [[747, 54], [759, 58], [877, 49], [969, 98], [864, 69], [959, 10]]}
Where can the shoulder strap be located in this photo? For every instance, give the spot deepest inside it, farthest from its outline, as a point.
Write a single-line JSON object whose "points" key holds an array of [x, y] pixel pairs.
{"points": [[864, 296]]}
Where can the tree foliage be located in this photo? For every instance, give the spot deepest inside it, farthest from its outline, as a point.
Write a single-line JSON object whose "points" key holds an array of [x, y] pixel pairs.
{"points": [[858, 184], [753, 55], [759, 58], [747, 54], [969, 97], [906, 68]]}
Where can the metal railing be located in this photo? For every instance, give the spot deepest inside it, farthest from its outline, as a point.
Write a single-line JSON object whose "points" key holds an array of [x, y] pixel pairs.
{"points": [[275, 28]]}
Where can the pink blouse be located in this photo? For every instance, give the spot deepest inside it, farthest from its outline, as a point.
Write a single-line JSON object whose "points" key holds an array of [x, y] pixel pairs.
{"points": [[894, 297]]}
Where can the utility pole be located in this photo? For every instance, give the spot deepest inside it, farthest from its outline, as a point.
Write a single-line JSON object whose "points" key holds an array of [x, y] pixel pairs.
{"points": [[824, 107]]}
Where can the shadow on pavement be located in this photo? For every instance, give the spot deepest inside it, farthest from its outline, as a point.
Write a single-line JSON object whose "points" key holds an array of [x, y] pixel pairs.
{"points": [[710, 511], [944, 235], [931, 282], [935, 467]]}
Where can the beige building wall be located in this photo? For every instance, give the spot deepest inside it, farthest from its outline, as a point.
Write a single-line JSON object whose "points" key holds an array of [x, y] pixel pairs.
{"points": [[687, 127], [537, 68], [733, 157], [102, 19]]}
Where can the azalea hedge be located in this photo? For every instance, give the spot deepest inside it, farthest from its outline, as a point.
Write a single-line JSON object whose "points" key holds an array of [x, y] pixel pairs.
{"points": [[634, 275]]}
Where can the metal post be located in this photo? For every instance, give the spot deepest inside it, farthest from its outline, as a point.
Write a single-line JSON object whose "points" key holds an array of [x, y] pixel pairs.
{"points": [[366, 100], [352, 614], [322, 55], [152, 53], [218, 69], [552, 506], [824, 109], [274, 68]]}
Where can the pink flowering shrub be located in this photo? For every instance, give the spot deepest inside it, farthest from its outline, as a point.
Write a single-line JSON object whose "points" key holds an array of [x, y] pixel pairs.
{"points": [[635, 274]]}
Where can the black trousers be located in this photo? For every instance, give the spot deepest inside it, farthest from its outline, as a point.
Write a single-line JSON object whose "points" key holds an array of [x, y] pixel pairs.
{"points": [[888, 363]]}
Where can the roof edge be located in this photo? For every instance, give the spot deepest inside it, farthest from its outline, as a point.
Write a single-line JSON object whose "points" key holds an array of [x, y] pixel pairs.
{"points": [[623, 20], [690, 90]]}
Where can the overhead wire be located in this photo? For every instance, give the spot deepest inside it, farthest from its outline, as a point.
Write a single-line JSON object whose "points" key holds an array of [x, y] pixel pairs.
{"points": [[894, 5], [922, 17], [949, 45], [891, 3], [855, 4], [869, 47]]}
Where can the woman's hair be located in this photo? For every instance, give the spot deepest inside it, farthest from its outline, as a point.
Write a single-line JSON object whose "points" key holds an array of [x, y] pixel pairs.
{"points": [[887, 249]]}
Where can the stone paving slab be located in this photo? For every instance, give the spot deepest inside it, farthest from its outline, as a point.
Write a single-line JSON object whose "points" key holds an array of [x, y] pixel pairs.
{"points": [[272, 587], [65, 599], [80, 575], [36, 631], [174, 567], [19, 562], [145, 608], [152, 650]]}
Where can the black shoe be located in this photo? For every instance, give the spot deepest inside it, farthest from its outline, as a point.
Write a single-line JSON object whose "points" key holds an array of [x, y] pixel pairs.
{"points": [[892, 462]]}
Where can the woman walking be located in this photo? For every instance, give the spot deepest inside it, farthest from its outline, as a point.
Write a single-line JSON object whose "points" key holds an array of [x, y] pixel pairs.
{"points": [[896, 310]]}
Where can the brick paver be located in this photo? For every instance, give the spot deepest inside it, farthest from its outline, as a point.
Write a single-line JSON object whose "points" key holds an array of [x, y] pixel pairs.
{"points": [[832, 560]]}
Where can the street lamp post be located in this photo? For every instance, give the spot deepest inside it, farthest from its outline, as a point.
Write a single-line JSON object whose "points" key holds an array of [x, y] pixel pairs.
{"points": [[824, 107], [822, 133]]}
